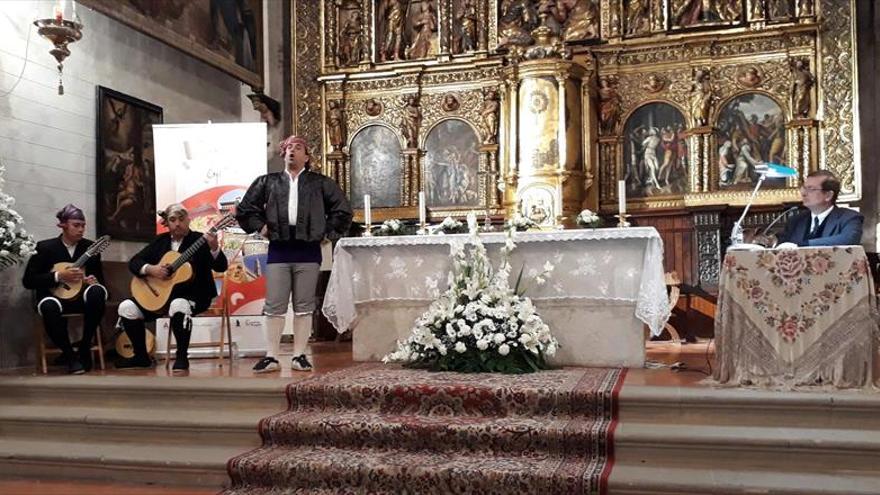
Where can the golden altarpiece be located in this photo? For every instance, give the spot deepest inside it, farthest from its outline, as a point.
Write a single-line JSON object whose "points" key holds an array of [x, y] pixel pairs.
{"points": [[542, 106]]}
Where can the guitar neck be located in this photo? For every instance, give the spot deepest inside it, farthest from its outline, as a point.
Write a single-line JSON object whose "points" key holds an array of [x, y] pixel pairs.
{"points": [[81, 261], [191, 251]]}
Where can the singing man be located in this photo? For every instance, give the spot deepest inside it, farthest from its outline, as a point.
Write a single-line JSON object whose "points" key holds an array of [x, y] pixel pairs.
{"points": [[823, 223], [296, 209], [187, 299], [40, 277]]}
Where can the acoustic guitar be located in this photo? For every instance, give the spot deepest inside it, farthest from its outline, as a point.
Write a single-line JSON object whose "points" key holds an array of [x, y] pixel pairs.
{"points": [[152, 293], [69, 290]]}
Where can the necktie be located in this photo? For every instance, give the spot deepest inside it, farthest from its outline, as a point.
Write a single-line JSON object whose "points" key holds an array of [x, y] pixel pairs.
{"points": [[815, 225]]}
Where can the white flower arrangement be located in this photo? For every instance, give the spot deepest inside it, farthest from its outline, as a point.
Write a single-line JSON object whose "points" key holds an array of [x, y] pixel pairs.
{"points": [[15, 243], [587, 218], [393, 227], [480, 323], [449, 225], [520, 223]]}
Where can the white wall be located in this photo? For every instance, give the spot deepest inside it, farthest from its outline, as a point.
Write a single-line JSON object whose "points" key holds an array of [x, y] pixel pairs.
{"points": [[47, 141]]}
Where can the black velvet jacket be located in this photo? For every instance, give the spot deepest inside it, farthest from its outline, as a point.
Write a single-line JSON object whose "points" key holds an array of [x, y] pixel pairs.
{"points": [[201, 288], [38, 274]]}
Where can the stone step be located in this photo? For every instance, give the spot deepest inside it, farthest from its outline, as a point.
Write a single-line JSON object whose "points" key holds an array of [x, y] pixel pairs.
{"points": [[195, 465], [742, 407], [138, 426], [226, 393], [747, 447], [424, 472], [634, 479], [358, 430]]}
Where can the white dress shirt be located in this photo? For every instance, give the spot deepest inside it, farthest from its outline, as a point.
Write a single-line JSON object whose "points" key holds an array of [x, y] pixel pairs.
{"points": [[292, 203], [821, 216]]}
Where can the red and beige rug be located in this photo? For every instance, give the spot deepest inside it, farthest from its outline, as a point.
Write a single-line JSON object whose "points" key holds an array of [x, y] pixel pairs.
{"points": [[380, 429]]}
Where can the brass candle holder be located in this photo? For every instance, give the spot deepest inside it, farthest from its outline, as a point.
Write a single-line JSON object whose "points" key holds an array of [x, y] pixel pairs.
{"points": [[622, 220], [60, 32]]}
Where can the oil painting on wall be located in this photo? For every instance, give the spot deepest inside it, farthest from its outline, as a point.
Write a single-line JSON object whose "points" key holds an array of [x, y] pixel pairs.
{"points": [[655, 151], [451, 165], [126, 177], [375, 167], [224, 33], [751, 133]]}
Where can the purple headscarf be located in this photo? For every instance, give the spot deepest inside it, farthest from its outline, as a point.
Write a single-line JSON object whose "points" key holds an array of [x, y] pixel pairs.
{"points": [[70, 212]]}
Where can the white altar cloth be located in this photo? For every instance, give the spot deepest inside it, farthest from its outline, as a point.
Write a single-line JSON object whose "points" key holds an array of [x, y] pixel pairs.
{"points": [[605, 285]]}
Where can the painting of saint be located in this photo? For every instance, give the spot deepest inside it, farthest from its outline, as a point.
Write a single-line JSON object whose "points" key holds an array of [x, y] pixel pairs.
{"points": [[751, 132], [451, 164], [655, 151], [126, 180], [375, 167]]}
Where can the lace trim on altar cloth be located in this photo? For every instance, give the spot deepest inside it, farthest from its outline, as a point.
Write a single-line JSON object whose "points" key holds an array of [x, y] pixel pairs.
{"points": [[501, 237], [842, 357]]}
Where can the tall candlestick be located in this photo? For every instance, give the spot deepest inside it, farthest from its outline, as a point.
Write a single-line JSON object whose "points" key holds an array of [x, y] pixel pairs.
{"points": [[621, 197], [423, 214], [368, 218]]}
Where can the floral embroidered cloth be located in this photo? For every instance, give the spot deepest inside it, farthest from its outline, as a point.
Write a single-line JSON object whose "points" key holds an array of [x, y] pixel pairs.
{"points": [[623, 265], [796, 317]]}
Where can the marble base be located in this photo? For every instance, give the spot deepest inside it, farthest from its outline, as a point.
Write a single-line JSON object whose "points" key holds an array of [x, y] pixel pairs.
{"points": [[589, 333]]}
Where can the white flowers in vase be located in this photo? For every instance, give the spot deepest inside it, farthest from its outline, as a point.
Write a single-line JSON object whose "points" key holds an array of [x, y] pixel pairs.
{"points": [[450, 225], [587, 218], [480, 323], [520, 223], [15, 243], [394, 227]]}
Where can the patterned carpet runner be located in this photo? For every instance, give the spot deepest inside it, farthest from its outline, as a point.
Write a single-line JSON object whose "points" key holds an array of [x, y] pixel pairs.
{"points": [[381, 429]]}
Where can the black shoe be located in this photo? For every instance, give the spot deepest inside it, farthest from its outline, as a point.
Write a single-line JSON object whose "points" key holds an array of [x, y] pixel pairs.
{"points": [[180, 364], [74, 367], [301, 363], [85, 358], [134, 362], [267, 365]]}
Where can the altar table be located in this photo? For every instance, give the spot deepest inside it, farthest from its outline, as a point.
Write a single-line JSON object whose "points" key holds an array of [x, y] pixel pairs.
{"points": [[605, 286], [787, 318]]}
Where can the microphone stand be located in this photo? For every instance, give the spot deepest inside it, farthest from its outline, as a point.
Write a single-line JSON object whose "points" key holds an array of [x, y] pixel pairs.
{"points": [[736, 236]]}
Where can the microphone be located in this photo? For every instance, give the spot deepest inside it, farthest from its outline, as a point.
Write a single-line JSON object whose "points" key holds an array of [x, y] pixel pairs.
{"points": [[778, 218]]}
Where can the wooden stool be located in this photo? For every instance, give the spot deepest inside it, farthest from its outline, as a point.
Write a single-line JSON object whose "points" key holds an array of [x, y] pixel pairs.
{"points": [[45, 351]]}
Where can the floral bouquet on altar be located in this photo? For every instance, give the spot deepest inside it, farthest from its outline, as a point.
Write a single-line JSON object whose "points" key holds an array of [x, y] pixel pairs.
{"points": [[450, 226], [15, 244], [481, 323], [588, 219], [521, 223], [394, 227]]}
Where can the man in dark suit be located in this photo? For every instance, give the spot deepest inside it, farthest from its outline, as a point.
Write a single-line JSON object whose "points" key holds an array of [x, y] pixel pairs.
{"points": [[823, 224], [40, 277], [187, 299]]}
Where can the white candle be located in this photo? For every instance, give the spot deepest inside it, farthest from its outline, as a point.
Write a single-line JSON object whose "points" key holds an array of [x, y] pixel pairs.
{"points": [[73, 4], [621, 197], [423, 214], [368, 219]]}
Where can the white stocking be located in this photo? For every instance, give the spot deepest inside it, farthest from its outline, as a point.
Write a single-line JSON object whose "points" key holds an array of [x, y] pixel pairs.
{"points": [[272, 334], [302, 331]]}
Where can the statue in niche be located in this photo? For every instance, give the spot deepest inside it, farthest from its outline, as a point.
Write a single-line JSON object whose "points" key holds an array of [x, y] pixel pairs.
{"points": [[657, 19], [489, 113], [654, 84], [581, 19], [335, 124], [702, 97], [425, 28], [729, 10], [801, 88], [750, 77], [638, 15], [372, 107], [609, 103], [410, 121], [351, 46], [779, 9], [805, 7], [393, 15], [549, 16], [518, 18], [692, 12], [450, 103], [757, 9], [464, 35]]}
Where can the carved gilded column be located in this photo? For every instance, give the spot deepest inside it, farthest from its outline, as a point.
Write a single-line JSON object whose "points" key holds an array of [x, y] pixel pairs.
{"points": [[412, 176], [489, 156], [700, 153], [511, 172], [338, 165], [802, 136]]}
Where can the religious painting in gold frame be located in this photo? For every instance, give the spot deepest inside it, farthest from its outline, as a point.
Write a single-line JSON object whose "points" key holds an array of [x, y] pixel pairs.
{"points": [[750, 133], [375, 167], [655, 154], [452, 161]]}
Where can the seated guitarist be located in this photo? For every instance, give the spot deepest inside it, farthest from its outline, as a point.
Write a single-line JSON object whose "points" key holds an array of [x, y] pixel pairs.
{"points": [[187, 299], [40, 277]]}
